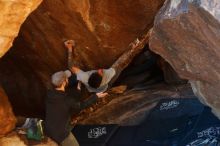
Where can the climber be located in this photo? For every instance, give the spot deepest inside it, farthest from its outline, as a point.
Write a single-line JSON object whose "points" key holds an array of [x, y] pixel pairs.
{"points": [[96, 80], [61, 103]]}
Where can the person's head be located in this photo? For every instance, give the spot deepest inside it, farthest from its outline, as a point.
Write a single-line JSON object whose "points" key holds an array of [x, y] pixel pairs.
{"points": [[60, 79], [95, 79]]}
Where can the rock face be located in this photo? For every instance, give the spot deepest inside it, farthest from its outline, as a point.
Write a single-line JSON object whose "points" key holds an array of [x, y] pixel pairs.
{"points": [[12, 140], [7, 120], [12, 15], [187, 34], [133, 106], [170, 76], [102, 30]]}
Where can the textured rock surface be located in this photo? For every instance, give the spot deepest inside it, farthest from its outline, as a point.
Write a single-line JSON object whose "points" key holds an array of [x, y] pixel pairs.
{"points": [[12, 15], [103, 30], [187, 35], [7, 118], [14, 139], [133, 106], [170, 75]]}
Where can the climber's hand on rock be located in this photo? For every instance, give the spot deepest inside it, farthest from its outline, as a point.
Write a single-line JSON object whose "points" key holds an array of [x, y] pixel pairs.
{"points": [[69, 44], [135, 43], [101, 94]]}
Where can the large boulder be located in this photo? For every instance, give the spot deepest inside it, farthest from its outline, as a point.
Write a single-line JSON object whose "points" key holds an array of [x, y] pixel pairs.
{"points": [[12, 15], [187, 34], [133, 106], [7, 120], [102, 30]]}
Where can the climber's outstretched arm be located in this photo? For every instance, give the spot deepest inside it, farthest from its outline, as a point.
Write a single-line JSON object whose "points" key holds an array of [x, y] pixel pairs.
{"points": [[70, 44]]}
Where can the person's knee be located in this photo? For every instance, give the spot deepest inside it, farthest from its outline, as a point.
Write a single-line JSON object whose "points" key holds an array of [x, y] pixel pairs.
{"points": [[70, 140]]}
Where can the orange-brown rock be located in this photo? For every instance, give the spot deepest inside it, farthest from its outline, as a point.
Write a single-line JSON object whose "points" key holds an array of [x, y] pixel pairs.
{"points": [[187, 35], [7, 118], [102, 30], [12, 15], [12, 140], [15, 139]]}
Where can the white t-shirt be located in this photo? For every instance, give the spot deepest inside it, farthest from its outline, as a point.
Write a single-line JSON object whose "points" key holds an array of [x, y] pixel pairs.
{"points": [[106, 78]]}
